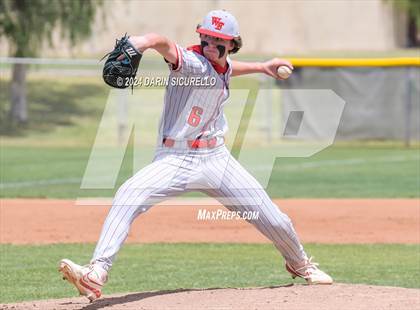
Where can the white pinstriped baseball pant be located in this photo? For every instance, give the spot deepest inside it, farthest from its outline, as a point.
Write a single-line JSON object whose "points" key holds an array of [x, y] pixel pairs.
{"points": [[214, 172]]}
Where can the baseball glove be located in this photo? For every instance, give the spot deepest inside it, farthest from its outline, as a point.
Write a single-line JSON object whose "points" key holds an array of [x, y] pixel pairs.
{"points": [[120, 73]]}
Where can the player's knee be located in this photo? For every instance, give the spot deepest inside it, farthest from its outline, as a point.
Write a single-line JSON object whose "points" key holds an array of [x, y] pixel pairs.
{"points": [[123, 189]]}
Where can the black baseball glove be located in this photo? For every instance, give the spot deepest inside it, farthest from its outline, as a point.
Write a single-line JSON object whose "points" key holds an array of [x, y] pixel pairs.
{"points": [[121, 73]]}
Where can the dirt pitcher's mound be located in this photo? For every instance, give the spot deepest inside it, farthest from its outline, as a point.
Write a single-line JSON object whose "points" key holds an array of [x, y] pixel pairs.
{"points": [[293, 297]]}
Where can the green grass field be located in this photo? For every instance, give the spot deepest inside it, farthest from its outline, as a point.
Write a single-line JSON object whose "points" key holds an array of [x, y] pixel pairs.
{"points": [[29, 272], [47, 158], [338, 171]]}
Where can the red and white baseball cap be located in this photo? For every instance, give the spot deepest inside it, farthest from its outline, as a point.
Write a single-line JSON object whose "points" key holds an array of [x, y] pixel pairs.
{"points": [[220, 24]]}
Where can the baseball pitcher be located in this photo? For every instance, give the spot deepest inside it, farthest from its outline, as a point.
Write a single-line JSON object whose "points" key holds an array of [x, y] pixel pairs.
{"points": [[191, 154]]}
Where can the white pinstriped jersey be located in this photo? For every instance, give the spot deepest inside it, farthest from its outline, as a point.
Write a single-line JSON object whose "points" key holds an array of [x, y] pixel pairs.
{"points": [[189, 113], [194, 111]]}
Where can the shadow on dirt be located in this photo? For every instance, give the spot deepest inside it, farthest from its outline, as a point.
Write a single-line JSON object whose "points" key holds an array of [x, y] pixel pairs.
{"points": [[112, 301]]}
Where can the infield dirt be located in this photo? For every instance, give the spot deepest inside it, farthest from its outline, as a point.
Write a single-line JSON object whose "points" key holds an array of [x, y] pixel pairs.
{"points": [[316, 220]]}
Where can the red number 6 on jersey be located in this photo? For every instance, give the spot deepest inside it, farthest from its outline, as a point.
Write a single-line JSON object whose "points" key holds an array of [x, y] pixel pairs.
{"points": [[195, 116]]}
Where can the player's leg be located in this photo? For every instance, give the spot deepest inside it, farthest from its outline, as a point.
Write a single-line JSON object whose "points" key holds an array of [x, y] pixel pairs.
{"points": [[166, 176], [235, 188], [238, 190]]}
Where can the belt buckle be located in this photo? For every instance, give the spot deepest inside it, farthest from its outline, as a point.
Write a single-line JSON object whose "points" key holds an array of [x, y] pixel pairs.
{"points": [[201, 143], [196, 143]]}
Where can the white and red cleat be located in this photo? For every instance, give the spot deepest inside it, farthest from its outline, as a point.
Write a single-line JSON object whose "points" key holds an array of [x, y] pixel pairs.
{"points": [[88, 279], [310, 272]]}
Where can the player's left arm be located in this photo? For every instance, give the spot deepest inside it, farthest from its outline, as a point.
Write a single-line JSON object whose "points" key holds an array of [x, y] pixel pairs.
{"points": [[268, 67]]}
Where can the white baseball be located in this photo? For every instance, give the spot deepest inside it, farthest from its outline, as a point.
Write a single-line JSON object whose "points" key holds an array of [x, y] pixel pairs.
{"points": [[284, 72]]}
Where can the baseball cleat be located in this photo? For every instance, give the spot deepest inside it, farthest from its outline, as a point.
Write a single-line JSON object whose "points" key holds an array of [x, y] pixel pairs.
{"points": [[87, 279], [310, 272]]}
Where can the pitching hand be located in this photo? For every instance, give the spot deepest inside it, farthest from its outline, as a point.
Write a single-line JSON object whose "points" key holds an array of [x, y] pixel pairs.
{"points": [[270, 67]]}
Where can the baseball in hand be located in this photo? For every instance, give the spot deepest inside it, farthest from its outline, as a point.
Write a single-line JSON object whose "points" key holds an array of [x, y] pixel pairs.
{"points": [[284, 72]]}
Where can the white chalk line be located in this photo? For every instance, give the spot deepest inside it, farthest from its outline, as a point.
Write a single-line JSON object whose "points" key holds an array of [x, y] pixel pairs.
{"points": [[339, 162], [292, 167], [40, 183]]}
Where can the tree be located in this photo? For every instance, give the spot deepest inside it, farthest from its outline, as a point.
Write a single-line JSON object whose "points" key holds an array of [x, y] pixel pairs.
{"points": [[27, 24], [412, 7]]}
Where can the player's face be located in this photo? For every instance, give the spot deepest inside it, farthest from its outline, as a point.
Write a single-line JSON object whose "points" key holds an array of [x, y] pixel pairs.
{"points": [[215, 49]]}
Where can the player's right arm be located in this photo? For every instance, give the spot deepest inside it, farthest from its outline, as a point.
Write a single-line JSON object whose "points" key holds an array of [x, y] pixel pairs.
{"points": [[159, 43], [269, 67], [184, 61]]}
